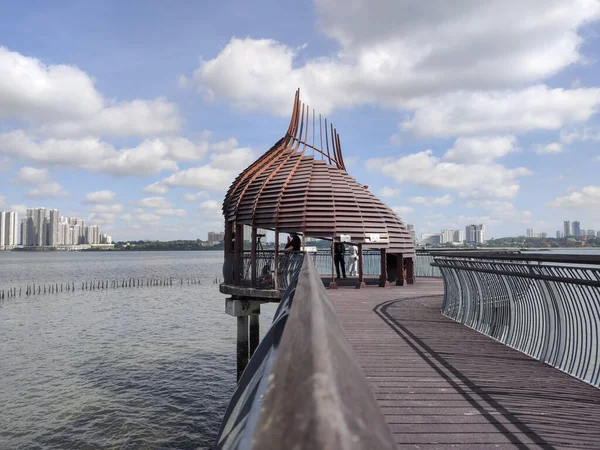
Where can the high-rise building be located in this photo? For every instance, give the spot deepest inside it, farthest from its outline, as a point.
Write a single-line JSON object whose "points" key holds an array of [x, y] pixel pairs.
{"points": [[530, 233], [413, 234], [27, 232], [9, 228], [567, 228], [217, 237], [591, 233], [544, 235], [559, 234], [93, 236], [459, 236], [476, 234], [576, 229], [52, 232], [598, 234], [40, 219]]}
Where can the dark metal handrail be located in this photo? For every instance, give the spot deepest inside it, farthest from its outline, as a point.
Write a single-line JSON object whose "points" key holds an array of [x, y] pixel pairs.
{"points": [[303, 388], [546, 306]]}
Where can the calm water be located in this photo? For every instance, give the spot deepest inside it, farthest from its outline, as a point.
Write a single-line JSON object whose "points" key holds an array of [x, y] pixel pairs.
{"points": [[125, 368]]}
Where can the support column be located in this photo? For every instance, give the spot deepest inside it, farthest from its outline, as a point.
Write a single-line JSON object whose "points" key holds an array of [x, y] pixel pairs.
{"points": [[254, 333], [253, 257], [361, 284], [242, 345], [228, 267], [383, 282], [410, 271], [399, 271], [247, 314]]}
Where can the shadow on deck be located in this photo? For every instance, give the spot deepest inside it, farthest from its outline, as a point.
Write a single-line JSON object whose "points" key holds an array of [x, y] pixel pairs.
{"points": [[442, 385]]}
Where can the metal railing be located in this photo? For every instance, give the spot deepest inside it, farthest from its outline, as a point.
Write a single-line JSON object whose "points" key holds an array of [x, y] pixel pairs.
{"points": [[423, 267], [239, 272], [371, 262], [303, 387], [546, 306]]}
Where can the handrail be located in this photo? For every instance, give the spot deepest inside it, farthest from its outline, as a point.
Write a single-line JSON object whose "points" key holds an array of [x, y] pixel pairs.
{"points": [[303, 388], [546, 306]]}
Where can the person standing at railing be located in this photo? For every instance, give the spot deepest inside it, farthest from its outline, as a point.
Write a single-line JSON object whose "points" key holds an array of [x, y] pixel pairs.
{"points": [[293, 244], [338, 258], [353, 261]]}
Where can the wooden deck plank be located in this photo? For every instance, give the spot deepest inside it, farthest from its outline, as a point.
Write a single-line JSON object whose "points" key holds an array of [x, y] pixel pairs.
{"points": [[442, 385]]}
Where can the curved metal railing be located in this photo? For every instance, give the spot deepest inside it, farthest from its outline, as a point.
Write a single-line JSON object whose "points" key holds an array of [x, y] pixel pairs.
{"points": [[303, 387], [546, 306]]}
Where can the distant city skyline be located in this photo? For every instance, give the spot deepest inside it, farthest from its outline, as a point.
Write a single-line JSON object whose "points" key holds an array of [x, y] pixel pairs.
{"points": [[43, 227]]}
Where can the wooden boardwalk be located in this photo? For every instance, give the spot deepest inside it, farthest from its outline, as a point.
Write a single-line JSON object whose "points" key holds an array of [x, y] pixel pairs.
{"points": [[442, 385]]}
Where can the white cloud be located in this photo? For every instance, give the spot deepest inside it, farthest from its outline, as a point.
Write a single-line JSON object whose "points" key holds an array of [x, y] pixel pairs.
{"points": [[147, 218], [106, 209], [156, 188], [431, 201], [553, 147], [204, 177], [31, 89], [389, 192], [195, 196], [63, 98], [154, 202], [481, 149], [210, 209], [569, 136], [135, 118], [104, 196], [533, 108], [31, 175], [170, 212], [236, 159], [588, 197], [471, 180], [47, 190], [402, 210], [401, 55], [148, 158], [505, 211]]}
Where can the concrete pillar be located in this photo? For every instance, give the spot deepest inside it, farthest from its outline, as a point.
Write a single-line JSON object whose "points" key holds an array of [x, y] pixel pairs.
{"points": [[247, 313], [242, 345], [276, 260], [238, 248]]}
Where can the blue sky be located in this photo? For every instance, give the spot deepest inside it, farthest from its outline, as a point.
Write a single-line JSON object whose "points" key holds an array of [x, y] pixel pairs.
{"points": [[136, 116]]}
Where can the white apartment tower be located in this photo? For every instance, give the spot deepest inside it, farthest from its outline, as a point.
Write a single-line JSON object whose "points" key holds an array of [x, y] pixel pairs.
{"points": [[9, 228], [476, 234]]}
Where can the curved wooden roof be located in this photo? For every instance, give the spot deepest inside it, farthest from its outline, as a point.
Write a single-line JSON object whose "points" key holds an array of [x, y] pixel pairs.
{"points": [[302, 186]]}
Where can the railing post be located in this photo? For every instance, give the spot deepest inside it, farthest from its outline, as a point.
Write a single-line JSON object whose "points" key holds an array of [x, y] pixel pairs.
{"points": [[361, 283]]}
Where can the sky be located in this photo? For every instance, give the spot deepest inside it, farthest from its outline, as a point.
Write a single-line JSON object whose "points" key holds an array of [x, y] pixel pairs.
{"points": [[137, 116]]}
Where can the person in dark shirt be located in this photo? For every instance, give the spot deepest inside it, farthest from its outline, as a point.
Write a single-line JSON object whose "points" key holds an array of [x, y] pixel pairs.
{"points": [[338, 257], [293, 244]]}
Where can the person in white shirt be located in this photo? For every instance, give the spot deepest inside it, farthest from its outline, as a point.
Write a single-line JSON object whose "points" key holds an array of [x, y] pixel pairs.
{"points": [[353, 263]]}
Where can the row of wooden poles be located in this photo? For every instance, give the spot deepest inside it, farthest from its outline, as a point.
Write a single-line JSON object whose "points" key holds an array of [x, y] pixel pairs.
{"points": [[97, 285]]}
